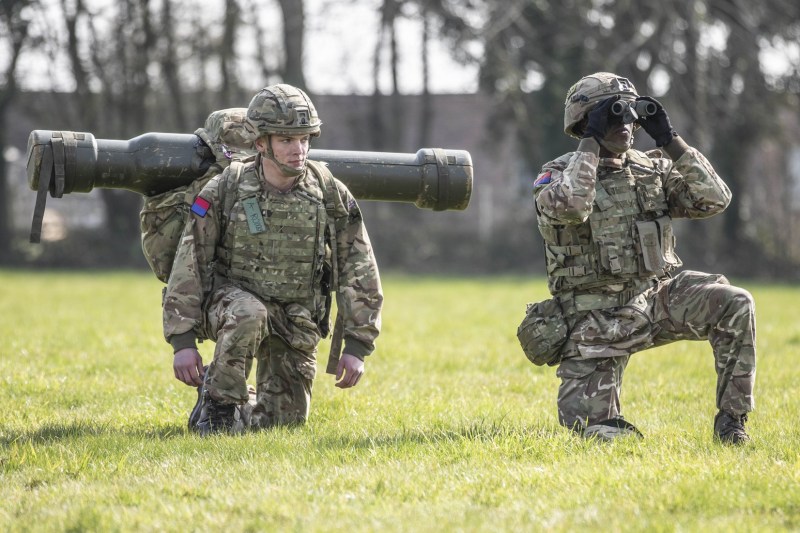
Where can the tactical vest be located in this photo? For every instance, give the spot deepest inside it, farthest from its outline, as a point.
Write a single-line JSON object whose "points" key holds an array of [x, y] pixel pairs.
{"points": [[627, 238], [273, 244]]}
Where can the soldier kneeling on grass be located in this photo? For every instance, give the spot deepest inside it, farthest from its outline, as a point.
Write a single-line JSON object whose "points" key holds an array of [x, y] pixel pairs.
{"points": [[266, 244], [605, 212]]}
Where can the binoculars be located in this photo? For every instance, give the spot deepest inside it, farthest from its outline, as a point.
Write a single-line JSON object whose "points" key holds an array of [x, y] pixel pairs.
{"points": [[633, 111]]}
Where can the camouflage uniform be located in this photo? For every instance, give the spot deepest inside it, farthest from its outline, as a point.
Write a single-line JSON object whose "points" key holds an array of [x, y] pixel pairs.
{"points": [[257, 306], [611, 262], [615, 285]]}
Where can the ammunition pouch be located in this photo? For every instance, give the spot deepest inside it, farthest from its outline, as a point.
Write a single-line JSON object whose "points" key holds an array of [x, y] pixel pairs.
{"points": [[543, 332]]}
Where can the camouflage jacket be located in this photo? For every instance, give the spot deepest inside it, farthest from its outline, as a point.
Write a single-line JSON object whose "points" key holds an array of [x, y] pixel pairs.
{"points": [[606, 222], [195, 272]]}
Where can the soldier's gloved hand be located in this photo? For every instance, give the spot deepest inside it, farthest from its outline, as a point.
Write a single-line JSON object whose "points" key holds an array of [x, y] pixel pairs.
{"points": [[188, 366], [600, 119], [657, 125]]}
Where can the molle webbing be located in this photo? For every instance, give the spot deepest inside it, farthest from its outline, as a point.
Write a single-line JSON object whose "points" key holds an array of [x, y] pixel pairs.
{"points": [[284, 260], [628, 236], [574, 302], [581, 254]]}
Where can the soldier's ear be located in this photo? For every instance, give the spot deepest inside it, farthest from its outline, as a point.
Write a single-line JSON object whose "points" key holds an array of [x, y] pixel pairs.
{"points": [[262, 144]]}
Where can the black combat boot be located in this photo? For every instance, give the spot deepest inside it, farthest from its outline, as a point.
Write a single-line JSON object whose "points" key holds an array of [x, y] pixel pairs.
{"points": [[611, 429], [213, 417], [729, 428]]}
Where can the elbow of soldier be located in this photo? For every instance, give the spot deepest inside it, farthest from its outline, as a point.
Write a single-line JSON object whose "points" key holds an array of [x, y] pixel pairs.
{"points": [[576, 214]]}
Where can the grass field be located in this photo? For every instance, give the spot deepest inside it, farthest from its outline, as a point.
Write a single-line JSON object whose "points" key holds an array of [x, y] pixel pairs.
{"points": [[451, 429]]}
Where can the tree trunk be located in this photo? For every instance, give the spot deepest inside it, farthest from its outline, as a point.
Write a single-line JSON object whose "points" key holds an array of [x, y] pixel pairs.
{"points": [[426, 107], [17, 33], [169, 65], [293, 31], [227, 52]]}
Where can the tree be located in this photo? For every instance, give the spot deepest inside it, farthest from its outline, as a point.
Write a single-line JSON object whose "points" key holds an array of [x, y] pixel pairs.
{"points": [[170, 62], [136, 66], [745, 107], [14, 29], [293, 35], [701, 58]]}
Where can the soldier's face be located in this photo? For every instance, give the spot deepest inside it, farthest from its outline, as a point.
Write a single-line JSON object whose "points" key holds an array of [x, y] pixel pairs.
{"points": [[619, 138], [289, 150]]}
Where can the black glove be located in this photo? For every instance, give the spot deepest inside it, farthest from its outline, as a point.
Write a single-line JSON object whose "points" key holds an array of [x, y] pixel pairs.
{"points": [[600, 119], [657, 125]]}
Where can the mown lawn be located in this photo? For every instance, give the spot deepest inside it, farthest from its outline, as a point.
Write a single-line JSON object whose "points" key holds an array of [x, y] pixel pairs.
{"points": [[450, 430]]}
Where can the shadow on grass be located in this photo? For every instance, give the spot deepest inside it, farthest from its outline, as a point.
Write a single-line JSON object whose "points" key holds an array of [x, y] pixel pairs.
{"points": [[55, 432], [479, 431]]}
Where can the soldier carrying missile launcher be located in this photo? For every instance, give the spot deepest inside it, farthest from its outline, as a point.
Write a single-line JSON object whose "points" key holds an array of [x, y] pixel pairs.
{"points": [[264, 245], [170, 169]]}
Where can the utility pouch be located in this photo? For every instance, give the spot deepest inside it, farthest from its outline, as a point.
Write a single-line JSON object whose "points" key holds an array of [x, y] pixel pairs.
{"points": [[650, 245], [668, 242], [543, 332]]}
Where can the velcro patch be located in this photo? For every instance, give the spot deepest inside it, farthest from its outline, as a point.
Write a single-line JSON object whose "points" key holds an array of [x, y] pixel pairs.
{"points": [[543, 178], [200, 206]]}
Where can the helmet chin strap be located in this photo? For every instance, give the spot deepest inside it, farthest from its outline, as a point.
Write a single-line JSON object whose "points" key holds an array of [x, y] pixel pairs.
{"points": [[286, 170]]}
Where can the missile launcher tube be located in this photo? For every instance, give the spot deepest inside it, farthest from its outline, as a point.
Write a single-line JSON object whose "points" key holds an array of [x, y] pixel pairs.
{"points": [[153, 163]]}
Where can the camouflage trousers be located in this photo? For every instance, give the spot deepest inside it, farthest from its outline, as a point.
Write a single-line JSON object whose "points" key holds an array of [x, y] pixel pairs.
{"points": [[248, 330], [691, 306]]}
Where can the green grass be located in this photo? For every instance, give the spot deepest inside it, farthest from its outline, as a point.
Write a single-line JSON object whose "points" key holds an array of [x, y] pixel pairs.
{"points": [[451, 429]]}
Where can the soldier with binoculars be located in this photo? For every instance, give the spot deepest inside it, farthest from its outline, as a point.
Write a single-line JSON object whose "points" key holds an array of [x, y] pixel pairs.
{"points": [[605, 212]]}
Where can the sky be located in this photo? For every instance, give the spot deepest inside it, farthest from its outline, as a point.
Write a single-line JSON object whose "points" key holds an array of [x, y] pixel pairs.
{"points": [[340, 40], [351, 43], [341, 36]]}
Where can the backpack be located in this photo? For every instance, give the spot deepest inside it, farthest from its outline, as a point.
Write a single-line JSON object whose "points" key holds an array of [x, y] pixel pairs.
{"points": [[163, 216]]}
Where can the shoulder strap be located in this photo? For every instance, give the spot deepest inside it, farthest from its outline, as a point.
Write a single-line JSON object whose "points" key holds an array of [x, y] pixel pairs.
{"points": [[229, 199], [329, 195]]}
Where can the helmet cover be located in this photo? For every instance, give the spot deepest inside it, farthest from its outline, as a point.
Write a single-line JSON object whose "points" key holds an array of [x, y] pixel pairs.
{"points": [[588, 92], [282, 109]]}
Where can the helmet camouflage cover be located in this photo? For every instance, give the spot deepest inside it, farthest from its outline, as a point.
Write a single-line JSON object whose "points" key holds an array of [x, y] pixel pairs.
{"points": [[282, 109], [588, 92], [226, 133]]}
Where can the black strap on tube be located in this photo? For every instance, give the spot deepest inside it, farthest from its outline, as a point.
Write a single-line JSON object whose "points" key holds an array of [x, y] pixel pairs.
{"points": [[45, 176]]}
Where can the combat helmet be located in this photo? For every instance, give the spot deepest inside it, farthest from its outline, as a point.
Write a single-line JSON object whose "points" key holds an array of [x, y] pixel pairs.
{"points": [[590, 90], [282, 110]]}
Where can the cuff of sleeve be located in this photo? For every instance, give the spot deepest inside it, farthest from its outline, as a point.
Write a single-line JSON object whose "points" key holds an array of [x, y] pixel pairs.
{"points": [[590, 145], [357, 348], [179, 341], [676, 148]]}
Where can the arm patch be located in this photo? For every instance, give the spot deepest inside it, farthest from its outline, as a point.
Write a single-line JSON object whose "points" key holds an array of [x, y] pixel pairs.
{"points": [[200, 206]]}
